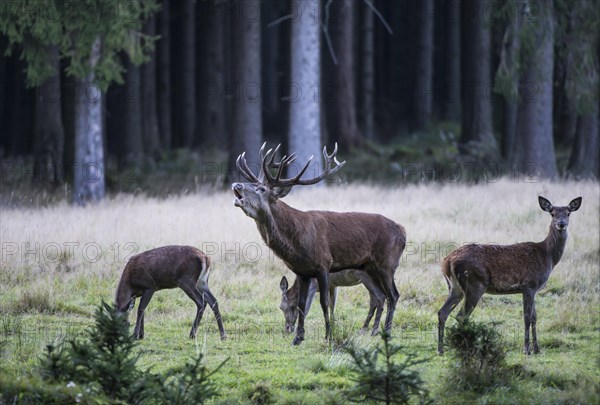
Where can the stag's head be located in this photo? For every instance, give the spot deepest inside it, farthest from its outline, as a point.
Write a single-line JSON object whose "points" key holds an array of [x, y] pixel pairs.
{"points": [[262, 190], [560, 215]]}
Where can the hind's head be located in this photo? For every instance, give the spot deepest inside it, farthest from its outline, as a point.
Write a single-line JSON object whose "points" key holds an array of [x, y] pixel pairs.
{"points": [[560, 215]]}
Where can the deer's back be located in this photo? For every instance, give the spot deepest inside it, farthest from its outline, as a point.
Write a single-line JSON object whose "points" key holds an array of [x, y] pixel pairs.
{"points": [[355, 238], [164, 267], [503, 269]]}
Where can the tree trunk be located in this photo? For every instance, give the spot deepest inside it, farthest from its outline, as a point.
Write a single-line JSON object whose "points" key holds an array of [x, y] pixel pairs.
{"points": [[477, 135], [211, 104], [534, 120], [133, 144], [304, 134], [451, 87], [367, 99], [185, 94], [422, 90], [149, 113], [164, 80], [343, 123], [88, 185], [585, 155], [49, 135], [247, 110]]}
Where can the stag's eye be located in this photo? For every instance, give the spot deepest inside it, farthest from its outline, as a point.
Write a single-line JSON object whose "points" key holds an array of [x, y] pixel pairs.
{"points": [[261, 189]]}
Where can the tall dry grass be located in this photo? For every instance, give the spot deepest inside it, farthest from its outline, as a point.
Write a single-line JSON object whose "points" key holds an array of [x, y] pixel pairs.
{"points": [[76, 254]]}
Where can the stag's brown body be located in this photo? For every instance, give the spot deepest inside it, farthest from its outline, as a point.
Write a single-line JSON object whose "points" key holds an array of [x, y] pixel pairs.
{"points": [[167, 267], [522, 268], [315, 243]]}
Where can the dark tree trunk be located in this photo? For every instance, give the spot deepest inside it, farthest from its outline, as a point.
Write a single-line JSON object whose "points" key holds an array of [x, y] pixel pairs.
{"points": [[149, 113], [164, 76], [422, 96], [477, 135], [20, 109], [132, 136], [534, 120], [185, 79], [585, 155], [69, 92], [247, 110], [451, 85], [89, 180], [49, 135], [211, 103], [367, 99], [343, 124], [304, 135], [508, 73]]}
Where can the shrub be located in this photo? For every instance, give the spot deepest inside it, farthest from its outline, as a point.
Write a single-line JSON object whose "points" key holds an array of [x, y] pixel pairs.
{"points": [[378, 377], [478, 356], [104, 365]]}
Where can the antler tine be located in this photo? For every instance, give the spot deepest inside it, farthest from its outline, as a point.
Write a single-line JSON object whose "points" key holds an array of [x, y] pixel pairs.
{"points": [[242, 166], [328, 171]]}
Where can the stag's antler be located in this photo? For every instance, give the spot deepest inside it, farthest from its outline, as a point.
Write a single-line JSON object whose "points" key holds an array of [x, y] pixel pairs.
{"points": [[277, 181], [268, 162]]}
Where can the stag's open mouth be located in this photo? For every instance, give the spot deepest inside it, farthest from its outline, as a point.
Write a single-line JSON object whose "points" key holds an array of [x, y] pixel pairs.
{"points": [[239, 200]]}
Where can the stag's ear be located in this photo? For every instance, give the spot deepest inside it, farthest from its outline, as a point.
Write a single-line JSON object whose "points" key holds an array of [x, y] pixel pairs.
{"points": [[283, 285], [280, 192], [545, 204], [575, 204]]}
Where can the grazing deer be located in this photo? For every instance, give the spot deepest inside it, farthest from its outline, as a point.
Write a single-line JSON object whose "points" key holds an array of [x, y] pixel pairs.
{"points": [[522, 268], [315, 243], [167, 267], [344, 278]]}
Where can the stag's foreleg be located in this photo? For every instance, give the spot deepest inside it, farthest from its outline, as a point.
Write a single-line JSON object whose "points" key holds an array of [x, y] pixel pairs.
{"points": [[323, 280], [303, 283]]}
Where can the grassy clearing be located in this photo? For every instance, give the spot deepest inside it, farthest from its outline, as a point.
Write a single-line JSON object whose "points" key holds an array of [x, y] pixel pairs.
{"points": [[59, 261]]}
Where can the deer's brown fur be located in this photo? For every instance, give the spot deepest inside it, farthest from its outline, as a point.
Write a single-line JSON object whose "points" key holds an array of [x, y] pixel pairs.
{"points": [[167, 267], [522, 268], [315, 243]]}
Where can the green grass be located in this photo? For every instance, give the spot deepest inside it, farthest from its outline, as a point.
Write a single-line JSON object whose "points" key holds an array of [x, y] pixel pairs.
{"points": [[46, 301]]}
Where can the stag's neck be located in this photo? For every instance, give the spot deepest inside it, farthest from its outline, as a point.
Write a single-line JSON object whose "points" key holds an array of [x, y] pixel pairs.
{"points": [[555, 244], [277, 229]]}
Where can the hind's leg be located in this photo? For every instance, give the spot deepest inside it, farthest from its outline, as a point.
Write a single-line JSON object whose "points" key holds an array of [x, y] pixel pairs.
{"points": [[214, 305], [138, 331], [451, 302]]}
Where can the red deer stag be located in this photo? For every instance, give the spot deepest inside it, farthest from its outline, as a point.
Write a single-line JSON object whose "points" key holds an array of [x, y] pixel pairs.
{"points": [[314, 243], [523, 268], [344, 278], [167, 267]]}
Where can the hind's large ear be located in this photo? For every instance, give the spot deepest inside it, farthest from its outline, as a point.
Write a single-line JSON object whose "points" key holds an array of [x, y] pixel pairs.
{"points": [[575, 204], [545, 204], [283, 285]]}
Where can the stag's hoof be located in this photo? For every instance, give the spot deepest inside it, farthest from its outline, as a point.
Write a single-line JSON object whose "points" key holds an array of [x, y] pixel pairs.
{"points": [[223, 337], [536, 350], [297, 340], [375, 332], [440, 352]]}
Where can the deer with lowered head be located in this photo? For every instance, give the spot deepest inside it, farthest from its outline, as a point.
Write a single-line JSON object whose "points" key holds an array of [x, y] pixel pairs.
{"points": [[314, 244], [167, 267], [344, 278], [522, 268]]}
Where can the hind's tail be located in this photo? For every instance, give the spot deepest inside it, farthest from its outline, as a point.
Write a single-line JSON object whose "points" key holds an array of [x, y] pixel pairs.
{"points": [[205, 272]]}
